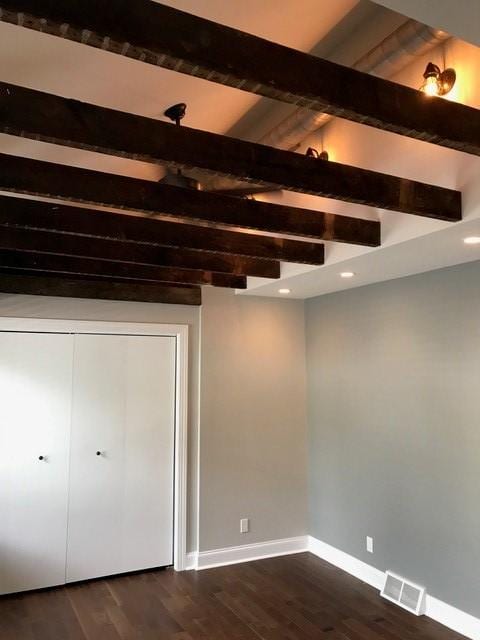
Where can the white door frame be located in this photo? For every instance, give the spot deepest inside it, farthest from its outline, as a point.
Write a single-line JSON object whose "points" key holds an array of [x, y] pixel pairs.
{"points": [[180, 333]]}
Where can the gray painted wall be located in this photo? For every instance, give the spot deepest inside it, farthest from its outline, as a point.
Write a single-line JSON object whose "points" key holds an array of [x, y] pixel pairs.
{"points": [[253, 458], [393, 403]]}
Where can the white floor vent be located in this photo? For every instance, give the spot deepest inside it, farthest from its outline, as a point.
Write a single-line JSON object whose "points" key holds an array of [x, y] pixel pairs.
{"points": [[404, 593]]}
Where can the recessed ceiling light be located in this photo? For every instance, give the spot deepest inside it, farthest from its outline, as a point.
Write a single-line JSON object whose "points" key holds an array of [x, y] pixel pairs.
{"points": [[284, 291], [472, 240], [347, 274]]}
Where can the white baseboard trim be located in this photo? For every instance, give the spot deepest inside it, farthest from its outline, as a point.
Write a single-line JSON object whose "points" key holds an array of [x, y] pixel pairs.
{"points": [[191, 561], [248, 552], [354, 566], [453, 618], [445, 614]]}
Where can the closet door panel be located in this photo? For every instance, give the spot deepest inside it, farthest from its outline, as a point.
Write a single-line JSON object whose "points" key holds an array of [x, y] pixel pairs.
{"points": [[35, 394], [95, 493], [149, 447], [121, 477]]}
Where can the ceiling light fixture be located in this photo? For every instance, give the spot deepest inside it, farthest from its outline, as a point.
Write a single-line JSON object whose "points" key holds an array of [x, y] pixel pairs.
{"points": [[436, 82], [311, 152], [347, 274], [176, 178], [472, 240], [284, 291], [176, 112]]}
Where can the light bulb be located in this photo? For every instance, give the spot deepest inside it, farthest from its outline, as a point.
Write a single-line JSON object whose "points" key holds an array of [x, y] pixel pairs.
{"points": [[430, 86]]}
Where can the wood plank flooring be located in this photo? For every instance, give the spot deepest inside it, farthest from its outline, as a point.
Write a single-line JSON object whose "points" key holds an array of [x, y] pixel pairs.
{"points": [[298, 597]]}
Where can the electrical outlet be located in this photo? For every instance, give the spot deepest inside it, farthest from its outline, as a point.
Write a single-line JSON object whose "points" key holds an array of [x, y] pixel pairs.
{"points": [[244, 525], [369, 544]]}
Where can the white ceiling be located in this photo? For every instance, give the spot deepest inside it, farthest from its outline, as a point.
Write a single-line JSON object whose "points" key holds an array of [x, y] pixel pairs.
{"points": [[342, 30]]}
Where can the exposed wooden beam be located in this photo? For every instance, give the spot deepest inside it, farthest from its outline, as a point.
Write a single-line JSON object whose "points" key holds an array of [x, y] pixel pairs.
{"points": [[79, 267], [95, 187], [98, 289], [42, 116], [19, 239], [18, 212], [169, 38]]}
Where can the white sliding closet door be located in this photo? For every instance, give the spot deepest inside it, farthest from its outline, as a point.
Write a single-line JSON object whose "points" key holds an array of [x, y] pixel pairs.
{"points": [[122, 455], [35, 391]]}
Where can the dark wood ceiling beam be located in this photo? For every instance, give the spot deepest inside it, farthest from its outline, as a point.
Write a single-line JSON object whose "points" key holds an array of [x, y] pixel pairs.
{"points": [[46, 216], [19, 239], [44, 285], [172, 39], [133, 194], [79, 267], [42, 116]]}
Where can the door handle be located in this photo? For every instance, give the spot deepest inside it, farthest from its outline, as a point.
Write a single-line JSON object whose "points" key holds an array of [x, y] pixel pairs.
{"points": [[42, 458], [99, 453]]}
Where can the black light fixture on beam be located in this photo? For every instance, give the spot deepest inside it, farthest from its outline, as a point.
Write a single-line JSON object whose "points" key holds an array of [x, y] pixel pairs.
{"points": [[311, 152], [176, 113], [176, 177], [436, 82]]}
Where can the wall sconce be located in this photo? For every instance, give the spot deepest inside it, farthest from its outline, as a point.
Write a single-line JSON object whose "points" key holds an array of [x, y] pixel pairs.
{"points": [[313, 153], [437, 83]]}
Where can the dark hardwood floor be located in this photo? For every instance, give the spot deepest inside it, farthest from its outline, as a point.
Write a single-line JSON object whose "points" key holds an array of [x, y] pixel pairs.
{"points": [[295, 597]]}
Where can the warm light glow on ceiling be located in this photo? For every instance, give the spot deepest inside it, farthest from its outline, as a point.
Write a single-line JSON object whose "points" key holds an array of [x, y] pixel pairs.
{"points": [[347, 274], [472, 240], [284, 291]]}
